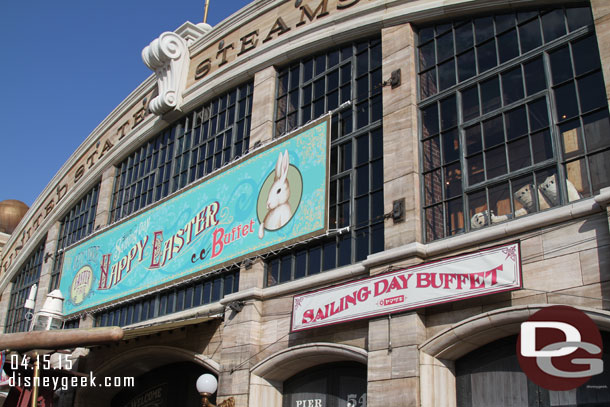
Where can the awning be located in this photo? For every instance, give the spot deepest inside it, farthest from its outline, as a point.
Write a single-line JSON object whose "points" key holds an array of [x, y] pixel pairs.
{"points": [[150, 329]]}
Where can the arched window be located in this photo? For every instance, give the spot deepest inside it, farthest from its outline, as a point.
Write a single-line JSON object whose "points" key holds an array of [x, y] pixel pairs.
{"points": [[490, 376], [335, 385]]}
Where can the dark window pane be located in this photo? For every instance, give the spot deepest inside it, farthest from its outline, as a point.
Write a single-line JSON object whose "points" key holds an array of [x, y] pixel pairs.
{"points": [[444, 46], [535, 79], [565, 100], [519, 154], [315, 257], [362, 180], [529, 34], [362, 244], [512, 85], [362, 149], [539, 115], [300, 264], [508, 46], [432, 154], [451, 146], [592, 92], [466, 65], [553, 25], [432, 187], [561, 65], [426, 34], [495, 162], [448, 113], [285, 269], [441, 28], [446, 74], [516, 123], [470, 103], [427, 83], [453, 180], [377, 205], [599, 165], [463, 37], [426, 56], [490, 94], [542, 146], [434, 223], [476, 171], [455, 217], [526, 15], [376, 175], [484, 29], [493, 132], [307, 70], [504, 22], [499, 203], [578, 17], [362, 210], [473, 139], [486, 56], [586, 55], [273, 273], [430, 120], [597, 130]]}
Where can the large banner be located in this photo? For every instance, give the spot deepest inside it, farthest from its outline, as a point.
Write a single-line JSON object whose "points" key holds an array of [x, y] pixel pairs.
{"points": [[486, 272], [267, 200]]}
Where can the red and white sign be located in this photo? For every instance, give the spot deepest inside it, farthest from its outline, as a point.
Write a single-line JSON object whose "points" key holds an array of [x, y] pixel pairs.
{"points": [[471, 275]]}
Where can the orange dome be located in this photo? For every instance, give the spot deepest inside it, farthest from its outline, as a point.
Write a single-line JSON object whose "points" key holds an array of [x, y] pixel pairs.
{"points": [[11, 212]]}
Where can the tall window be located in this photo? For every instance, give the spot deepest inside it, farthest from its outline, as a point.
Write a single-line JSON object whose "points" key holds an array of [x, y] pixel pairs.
{"points": [[514, 117], [26, 277], [306, 90], [194, 294], [76, 225], [198, 144]]}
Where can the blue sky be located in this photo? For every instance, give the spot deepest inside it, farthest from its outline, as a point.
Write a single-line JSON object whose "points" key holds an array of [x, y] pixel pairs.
{"points": [[65, 65]]}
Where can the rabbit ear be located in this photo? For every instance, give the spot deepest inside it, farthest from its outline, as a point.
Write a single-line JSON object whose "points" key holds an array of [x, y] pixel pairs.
{"points": [[285, 164], [278, 167]]}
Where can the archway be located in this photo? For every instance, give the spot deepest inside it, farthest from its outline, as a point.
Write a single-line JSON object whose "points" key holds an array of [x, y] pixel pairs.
{"points": [[269, 375], [136, 363]]}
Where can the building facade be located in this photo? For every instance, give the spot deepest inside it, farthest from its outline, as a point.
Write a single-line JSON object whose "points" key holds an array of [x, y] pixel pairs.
{"points": [[457, 127]]}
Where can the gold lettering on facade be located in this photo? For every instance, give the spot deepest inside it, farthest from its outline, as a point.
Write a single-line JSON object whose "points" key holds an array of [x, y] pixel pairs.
{"points": [[306, 12], [279, 27]]}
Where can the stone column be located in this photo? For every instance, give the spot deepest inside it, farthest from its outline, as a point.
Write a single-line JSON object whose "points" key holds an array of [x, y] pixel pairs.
{"points": [[400, 136], [104, 200], [241, 330], [601, 18], [240, 344], [47, 265], [263, 105], [393, 366], [4, 301]]}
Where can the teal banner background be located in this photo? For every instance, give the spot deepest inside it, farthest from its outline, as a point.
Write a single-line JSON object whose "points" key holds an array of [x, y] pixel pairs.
{"points": [[192, 240]]}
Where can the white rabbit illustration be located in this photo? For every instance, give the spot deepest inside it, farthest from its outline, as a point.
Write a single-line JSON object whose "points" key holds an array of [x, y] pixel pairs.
{"points": [[277, 202]]}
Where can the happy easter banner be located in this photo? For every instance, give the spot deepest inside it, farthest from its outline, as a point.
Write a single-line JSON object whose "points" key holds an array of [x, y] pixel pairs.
{"points": [[261, 202]]}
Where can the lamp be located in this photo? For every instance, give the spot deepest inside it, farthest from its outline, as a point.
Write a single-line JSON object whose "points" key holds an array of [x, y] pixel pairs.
{"points": [[50, 315], [206, 386]]}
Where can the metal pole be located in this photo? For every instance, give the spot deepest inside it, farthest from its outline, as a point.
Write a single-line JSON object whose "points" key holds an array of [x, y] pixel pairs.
{"points": [[35, 379], [205, 14]]}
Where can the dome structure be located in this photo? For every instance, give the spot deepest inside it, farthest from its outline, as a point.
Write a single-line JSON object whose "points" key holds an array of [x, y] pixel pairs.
{"points": [[11, 213]]}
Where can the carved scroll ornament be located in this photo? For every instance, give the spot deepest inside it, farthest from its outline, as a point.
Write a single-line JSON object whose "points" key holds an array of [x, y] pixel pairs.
{"points": [[168, 57]]}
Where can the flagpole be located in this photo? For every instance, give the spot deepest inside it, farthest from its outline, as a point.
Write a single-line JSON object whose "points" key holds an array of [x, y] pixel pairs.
{"points": [[205, 14]]}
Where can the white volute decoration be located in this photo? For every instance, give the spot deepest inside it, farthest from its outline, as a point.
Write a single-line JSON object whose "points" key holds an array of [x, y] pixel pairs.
{"points": [[168, 57]]}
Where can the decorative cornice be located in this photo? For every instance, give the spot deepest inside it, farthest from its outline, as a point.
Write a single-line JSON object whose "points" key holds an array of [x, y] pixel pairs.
{"points": [[168, 57]]}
